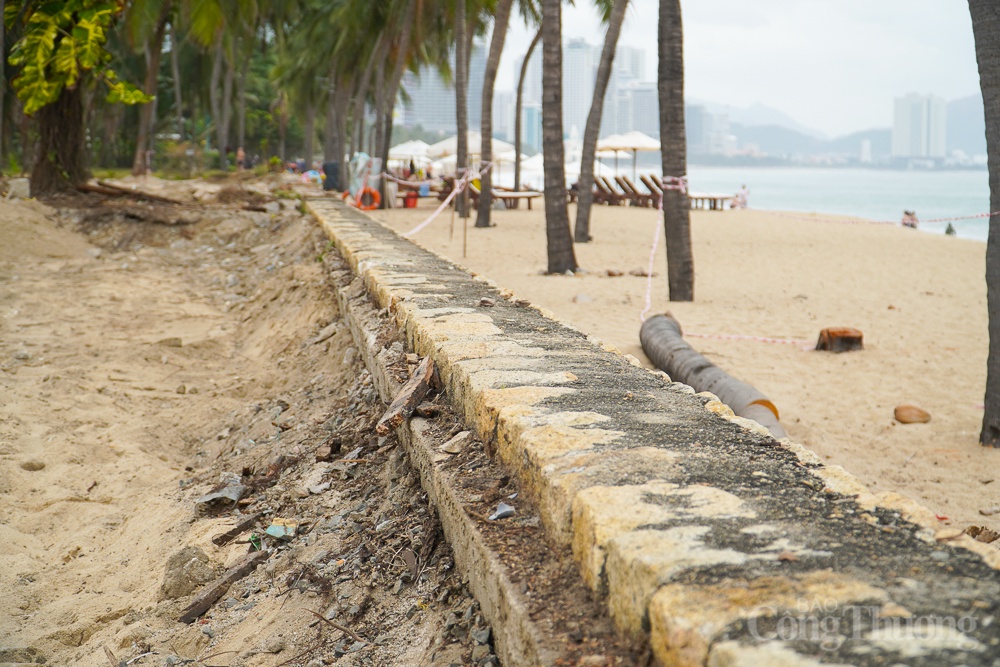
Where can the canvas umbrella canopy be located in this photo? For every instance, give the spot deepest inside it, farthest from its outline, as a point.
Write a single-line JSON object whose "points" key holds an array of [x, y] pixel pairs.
{"points": [[634, 141], [449, 146], [415, 150]]}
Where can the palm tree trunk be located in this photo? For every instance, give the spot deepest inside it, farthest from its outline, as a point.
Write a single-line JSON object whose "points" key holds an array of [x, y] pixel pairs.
{"points": [[461, 105], [309, 132], [227, 108], [361, 97], [673, 148], [517, 110], [153, 51], [986, 30], [241, 109], [340, 149], [593, 128], [389, 98], [330, 127], [561, 257], [501, 17], [215, 102], [175, 67]]}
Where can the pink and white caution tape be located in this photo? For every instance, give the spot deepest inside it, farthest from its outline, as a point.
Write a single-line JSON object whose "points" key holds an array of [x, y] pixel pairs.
{"points": [[652, 259], [459, 186], [852, 220], [675, 183]]}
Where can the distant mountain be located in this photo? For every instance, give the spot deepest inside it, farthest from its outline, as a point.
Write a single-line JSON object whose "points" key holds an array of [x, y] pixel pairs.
{"points": [[966, 125], [759, 114], [784, 142]]}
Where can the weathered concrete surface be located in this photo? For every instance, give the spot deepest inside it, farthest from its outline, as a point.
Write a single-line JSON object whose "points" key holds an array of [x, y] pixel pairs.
{"points": [[706, 537]]}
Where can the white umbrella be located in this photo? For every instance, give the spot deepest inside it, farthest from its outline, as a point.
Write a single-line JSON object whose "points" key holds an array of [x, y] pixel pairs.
{"points": [[449, 146], [630, 141], [415, 150]]}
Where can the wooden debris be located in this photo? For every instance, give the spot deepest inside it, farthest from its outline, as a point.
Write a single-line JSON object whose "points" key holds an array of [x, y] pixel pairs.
{"points": [[225, 538], [204, 601], [982, 534], [911, 414], [408, 398], [137, 194], [840, 339], [428, 410]]}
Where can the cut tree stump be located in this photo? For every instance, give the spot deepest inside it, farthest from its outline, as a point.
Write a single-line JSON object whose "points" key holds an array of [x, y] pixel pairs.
{"points": [[408, 398], [840, 339]]}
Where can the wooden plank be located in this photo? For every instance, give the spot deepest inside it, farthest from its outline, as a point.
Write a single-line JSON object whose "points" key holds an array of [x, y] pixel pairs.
{"points": [[408, 398], [204, 601], [225, 538]]}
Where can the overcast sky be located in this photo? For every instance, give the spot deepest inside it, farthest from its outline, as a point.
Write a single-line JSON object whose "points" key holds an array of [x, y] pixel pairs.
{"points": [[834, 65]]}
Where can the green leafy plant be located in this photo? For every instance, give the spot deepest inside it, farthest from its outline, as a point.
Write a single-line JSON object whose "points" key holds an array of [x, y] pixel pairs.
{"points": [[60, 43]]}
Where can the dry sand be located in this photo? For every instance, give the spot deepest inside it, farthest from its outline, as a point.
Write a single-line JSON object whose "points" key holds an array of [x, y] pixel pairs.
{"points": [[919, 299]]}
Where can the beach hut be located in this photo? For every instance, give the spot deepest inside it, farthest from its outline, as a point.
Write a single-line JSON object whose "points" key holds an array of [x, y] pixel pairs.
{"points": [[633, 141]]}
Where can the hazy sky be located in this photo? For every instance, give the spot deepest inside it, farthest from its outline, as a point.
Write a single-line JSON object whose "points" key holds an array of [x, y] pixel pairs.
{"points": [[834, 65]]}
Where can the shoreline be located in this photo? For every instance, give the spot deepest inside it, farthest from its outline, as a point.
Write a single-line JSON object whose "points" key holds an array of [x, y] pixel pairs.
{"points": [[919, 300]]}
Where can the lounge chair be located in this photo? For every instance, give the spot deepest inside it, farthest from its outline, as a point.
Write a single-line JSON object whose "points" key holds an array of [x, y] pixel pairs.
{"points": [[609, 192], [510, 198], [637, 197], [655, 189]]}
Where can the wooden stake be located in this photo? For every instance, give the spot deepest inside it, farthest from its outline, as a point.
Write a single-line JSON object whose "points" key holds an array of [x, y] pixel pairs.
{"points": [[408, 398]]}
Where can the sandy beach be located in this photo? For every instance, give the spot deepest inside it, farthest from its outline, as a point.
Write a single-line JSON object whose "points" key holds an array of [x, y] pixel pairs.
{"points": [[919, 299]]}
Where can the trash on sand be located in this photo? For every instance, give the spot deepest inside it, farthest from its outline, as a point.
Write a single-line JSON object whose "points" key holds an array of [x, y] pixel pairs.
{"points": [[230, 493], [503, 511], [283, 529]]}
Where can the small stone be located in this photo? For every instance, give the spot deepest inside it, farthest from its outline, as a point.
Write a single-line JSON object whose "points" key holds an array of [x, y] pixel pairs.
{"points": [[487, 303], [911, 414], [22, 355], [319, 488], [480, 653], [170, 342], [181, 389], [207, 631], [274, 645], [457, 443], [33, 465], [350, 354], [481, 635], [185, 571], [522, 303]]}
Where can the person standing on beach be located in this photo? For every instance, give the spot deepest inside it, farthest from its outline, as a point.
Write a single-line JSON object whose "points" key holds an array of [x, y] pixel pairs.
{"points": [[741, 199]]}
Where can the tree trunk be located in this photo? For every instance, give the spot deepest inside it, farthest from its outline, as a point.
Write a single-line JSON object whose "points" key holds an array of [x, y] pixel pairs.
{"points": [[673, 149], [283, 131], [343, 101], [561, 257], [153, 51], [241, 109], [361, 99], [60, 161], [175, 66], [986, 29], [215, 102], [3, 78], [461, 106], [389, 99], [501, 17], [517, 111], [330, 117], [309, 132], [227, 108], [593, 128]]}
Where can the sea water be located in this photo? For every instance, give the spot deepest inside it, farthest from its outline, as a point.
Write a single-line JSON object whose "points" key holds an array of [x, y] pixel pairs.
{"points": [[871, 194]]}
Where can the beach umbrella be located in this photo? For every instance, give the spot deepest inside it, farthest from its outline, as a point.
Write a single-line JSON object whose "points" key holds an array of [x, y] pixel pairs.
{"points": [[449, 146], [415, 150], [634, 141]]}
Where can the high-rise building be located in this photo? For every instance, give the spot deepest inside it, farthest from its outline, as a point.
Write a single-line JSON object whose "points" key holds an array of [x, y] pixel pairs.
{"points": [[919, 126], [503, 115], [432, 101], [579, 71]]}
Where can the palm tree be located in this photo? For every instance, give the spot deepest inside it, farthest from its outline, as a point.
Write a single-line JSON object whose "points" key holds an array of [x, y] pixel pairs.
{"points": [[461, 103], [517, 109], [502, 16], [147, 27], [673, 148], [561, 257], [986, 29], [614, 16]]}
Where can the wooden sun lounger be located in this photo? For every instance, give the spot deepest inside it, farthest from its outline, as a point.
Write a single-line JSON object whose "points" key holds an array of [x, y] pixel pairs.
{"points": [[637, 198], [609, 191], [653, 187], [510, 198]]}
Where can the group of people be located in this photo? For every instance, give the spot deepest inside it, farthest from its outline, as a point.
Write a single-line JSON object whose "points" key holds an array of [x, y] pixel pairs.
{"points": [[741, 199]]}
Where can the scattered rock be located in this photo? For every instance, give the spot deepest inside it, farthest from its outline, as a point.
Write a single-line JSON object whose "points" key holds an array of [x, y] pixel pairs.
{"points": [[185, 571], [487, 303], [457, 443], [33, 465], [614, 273], [170, 342], [181, 389], [911, 414]]}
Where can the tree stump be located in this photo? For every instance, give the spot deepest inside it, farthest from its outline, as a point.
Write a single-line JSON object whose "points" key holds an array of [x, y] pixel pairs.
{"points": [[840, 339]]}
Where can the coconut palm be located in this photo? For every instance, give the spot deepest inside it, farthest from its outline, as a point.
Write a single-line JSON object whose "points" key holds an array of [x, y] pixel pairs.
{"points": [[613, 13], [561, 257], [517, 109], [146, 25], [986, 28], [673, 148], [461, 102], [501, 18]]}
